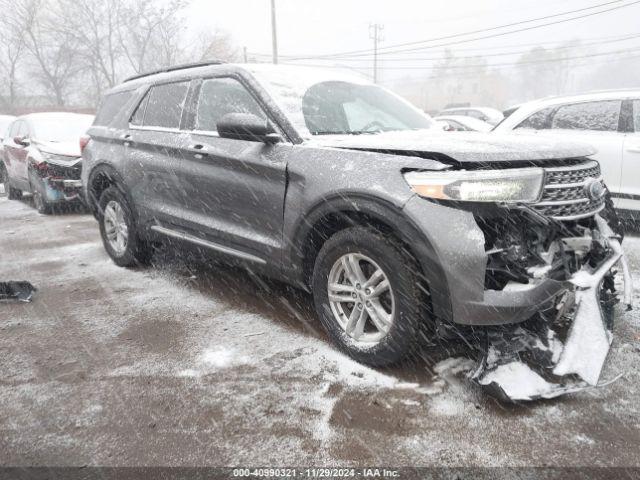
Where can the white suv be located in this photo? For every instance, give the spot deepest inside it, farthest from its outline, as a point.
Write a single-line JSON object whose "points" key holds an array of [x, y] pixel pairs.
{"points": [[609, 121]]}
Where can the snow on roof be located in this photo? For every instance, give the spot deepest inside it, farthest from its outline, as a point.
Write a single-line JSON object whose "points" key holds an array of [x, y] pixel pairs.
{"points": [[584, 97]]}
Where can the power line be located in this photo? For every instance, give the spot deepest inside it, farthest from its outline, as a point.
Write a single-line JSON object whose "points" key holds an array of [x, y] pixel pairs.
{"points": [[389, 49], [501, 34], [501, 54], [455, 67], [589, 40]]}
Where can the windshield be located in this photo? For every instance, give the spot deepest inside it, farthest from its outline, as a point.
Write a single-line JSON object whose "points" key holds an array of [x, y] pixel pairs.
{"points": [[68, 128], [318, 104]]}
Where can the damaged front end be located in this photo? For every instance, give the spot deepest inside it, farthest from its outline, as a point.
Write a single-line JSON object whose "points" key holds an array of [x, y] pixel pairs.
{"points": [[59, 176], [563, 347]]}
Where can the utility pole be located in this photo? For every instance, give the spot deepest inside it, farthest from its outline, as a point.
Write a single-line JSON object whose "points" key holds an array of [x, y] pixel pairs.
{"points": [[274, 35], [375, 34]]}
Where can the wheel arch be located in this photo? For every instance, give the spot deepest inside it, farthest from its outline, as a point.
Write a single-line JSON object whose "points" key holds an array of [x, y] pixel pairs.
{"points": [[339, 212], [103, 176]]}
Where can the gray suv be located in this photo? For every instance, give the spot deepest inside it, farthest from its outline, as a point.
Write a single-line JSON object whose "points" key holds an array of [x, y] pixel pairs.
{"points": [[401, 232]]}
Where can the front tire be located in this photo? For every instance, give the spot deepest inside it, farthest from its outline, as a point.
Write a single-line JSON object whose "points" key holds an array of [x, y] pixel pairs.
{"points": [[12, 193], [368, 295], [39, 200], [119, 232]]}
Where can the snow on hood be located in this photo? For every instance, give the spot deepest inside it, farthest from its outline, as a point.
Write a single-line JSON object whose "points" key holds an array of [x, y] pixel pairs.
{"points": [[462, 147], [70, 149]]}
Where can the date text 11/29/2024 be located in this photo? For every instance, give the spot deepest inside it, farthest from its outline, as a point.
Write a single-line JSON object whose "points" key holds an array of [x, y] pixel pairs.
{"points": [[316, 472]]}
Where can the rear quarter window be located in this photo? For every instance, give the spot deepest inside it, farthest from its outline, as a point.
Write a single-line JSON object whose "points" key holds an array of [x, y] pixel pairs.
{"points": [[111, 106], [539, 120]]}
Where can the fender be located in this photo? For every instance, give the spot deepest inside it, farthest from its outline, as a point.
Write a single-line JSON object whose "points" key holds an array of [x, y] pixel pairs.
{"points": [[383, 212]]}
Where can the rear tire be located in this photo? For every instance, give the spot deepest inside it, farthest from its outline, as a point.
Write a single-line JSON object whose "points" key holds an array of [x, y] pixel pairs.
{"points": [[119, 232], [403, 312]]}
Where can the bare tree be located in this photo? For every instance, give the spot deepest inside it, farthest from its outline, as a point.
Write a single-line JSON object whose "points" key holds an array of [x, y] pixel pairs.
{"points": [[214, 44], [93, 27], [544, 71], [12, 49], [150, 33], [54, 53]]}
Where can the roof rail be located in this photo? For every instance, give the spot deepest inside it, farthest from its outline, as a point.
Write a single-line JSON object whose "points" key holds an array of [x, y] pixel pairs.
{"points": [[174, 68]]}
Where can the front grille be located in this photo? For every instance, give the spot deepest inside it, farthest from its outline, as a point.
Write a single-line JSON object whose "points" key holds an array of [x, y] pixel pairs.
{"points": [[564, 196], [72, 172], [573, 174]]}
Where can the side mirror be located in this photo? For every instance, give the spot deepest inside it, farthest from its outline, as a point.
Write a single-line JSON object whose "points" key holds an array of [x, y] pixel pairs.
{"points": [[23, 141], [246, 126]]}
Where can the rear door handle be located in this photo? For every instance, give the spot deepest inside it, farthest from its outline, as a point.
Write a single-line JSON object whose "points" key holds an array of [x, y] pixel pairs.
{"points": [[634, 149]]}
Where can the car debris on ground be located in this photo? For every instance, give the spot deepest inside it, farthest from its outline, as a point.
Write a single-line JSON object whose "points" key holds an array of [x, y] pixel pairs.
{"points": [[20, 291]]}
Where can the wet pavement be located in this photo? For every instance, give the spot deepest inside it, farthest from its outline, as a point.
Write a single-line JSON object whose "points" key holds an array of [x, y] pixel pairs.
{"points": [[189, 363]]}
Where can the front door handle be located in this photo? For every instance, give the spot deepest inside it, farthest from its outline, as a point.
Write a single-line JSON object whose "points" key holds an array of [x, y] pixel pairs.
{"points": [[199, 150], [127, 139], [633, 149]]}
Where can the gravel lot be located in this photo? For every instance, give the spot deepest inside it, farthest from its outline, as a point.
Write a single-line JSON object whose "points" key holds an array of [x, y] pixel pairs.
{"points": [[191, 365]]}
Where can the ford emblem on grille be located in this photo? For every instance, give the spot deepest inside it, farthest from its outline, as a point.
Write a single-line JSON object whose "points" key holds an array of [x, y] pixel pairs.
{"points": [[594, 189]]}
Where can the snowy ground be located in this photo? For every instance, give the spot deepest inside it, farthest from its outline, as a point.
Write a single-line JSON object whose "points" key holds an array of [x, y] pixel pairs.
{"points": [[190, 365]]}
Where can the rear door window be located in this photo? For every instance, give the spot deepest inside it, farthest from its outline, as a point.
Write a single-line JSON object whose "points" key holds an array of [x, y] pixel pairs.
{"points": [[602, 116], [112, 105], [219, 97], [165, 105]]}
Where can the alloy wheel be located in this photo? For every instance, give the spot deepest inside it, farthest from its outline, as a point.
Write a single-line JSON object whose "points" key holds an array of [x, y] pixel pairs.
{"points": [[361, 298], [115, 227]]}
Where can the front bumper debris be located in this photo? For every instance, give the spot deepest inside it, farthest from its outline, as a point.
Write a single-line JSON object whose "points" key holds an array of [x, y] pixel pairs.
{"points": [[561, 351], [20, 291], [62, 190]]}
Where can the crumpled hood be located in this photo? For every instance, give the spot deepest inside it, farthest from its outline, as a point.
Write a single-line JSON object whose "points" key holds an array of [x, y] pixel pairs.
{"points": [[462, 147], [69, 149]]}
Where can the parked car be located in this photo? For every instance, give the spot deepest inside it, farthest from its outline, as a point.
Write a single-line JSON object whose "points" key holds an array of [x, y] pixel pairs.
{"points": [[5, 121], [610, 121], [460, 123], [486, 114], [338, 186], [42, 156]]}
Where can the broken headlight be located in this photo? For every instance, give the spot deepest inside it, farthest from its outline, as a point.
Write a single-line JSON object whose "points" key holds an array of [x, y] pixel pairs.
{"points": [[509, 185]]}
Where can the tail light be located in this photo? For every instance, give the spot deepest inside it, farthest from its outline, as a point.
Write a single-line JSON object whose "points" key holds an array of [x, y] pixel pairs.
{"points": [[84, 140]]}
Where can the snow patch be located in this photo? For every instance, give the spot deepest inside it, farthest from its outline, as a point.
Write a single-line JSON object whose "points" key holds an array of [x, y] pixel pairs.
{"points": [[518, 381], [218, 358]]}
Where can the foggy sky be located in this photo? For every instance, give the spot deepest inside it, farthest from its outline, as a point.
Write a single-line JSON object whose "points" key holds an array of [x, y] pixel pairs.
{"points": [[330, 26]]}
